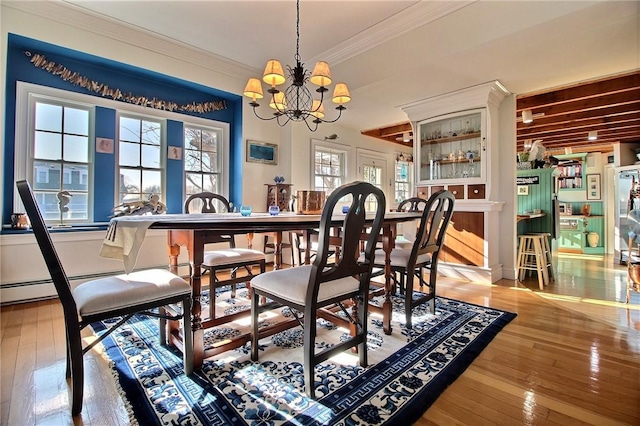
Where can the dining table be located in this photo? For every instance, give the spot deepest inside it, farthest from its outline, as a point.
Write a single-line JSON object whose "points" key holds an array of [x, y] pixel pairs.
{"points": [[125, 235]]}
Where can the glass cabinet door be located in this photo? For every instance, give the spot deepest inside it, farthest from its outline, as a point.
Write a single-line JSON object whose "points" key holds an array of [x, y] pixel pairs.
{"points": [[452, 147]]}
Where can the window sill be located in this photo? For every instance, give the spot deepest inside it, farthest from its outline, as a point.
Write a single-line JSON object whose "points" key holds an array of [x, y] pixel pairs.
{"points": [[6, 229]]}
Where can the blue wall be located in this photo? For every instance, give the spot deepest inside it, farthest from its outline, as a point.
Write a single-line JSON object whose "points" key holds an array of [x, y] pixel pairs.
{"points": [[128, 79]]}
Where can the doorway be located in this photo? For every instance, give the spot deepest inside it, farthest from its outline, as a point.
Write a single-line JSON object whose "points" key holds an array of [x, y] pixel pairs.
{"points": [[373, 169]]}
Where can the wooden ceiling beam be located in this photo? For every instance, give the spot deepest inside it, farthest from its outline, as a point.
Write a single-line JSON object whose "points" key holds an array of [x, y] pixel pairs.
{"points": [[581, 127], [628, 97], [607, 112], [584, 90]]}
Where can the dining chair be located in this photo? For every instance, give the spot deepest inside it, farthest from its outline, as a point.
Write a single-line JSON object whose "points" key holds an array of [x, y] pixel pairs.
{"points": [[409, 229], [308, 288], [116, 298], [409, 262], [231, 260]]}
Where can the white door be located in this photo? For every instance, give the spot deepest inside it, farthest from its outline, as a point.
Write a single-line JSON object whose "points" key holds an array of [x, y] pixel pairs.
{"points": [[373, 170]]}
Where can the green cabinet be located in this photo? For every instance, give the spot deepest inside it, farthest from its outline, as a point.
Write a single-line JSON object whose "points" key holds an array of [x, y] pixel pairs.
{"points": [[571, 241]]}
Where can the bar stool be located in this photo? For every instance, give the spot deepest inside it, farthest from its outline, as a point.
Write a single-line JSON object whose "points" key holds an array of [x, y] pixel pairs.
{"points": [[546, 248], [532, 257]]}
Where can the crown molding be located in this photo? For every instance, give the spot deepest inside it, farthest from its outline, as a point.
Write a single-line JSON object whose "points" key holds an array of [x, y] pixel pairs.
{"points": [[86, 20], [414, 16]]}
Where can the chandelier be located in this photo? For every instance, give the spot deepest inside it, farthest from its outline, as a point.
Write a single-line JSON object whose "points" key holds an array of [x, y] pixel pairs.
{"points": [[296, 102]]}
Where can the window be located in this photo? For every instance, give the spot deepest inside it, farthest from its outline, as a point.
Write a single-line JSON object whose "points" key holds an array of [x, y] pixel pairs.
{"points": [[202, 165], [139, 159], [328, 168], [60, 154], [59, 160], [402, 180]]}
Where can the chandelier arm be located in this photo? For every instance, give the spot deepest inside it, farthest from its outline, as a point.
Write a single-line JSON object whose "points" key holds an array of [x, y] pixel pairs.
{"points": [[316, 122], [282, 115], [340, 109], [262, 118]]}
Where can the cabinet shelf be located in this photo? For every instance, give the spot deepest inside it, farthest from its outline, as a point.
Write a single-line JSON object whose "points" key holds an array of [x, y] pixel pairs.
{"points": [[453, 138], [465, 161]]}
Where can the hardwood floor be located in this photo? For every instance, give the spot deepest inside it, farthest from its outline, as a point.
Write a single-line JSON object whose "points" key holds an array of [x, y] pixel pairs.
{"points": [[572, 356]]}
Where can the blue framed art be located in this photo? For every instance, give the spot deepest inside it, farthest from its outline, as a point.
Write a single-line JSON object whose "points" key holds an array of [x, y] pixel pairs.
{"points": [[261, 152]]}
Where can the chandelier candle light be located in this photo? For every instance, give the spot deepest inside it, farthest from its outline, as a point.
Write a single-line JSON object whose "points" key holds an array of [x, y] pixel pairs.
{"points": [[296, 102]]}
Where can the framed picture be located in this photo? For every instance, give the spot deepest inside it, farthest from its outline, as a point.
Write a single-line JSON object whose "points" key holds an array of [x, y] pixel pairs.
{"points": [[261, 152], [174, 153], [593, 187], [104, 145], [523, 189]]}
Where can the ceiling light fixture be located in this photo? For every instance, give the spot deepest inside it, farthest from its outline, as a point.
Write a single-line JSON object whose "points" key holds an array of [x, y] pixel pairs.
{"points": [[406, 137], [296, 102], [527, 116], [593, 135]]}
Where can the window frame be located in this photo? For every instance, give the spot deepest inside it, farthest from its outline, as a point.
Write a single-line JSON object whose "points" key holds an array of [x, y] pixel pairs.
{"points": [[27, 95], [334, 148], [222, 148], [162, 168]]}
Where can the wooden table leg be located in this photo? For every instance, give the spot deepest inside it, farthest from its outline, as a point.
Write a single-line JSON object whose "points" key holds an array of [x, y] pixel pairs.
{"points": [[195, 248], [387, 246], [277, 250]]}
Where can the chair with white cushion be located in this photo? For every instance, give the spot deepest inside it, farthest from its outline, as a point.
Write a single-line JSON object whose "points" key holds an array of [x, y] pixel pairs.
{"points": [[117, 297], [237, 262], [423, 254], [309, 288]]}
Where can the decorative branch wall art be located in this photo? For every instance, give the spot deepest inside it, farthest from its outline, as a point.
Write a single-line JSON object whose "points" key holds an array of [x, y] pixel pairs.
{"points": [[40, 61]]}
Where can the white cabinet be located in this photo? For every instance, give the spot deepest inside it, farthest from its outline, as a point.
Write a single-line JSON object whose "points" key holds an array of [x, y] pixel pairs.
{"points": [[454, 134]]}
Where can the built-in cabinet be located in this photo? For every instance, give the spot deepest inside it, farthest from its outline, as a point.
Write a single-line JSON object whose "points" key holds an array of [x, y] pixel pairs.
{"points": [[582, 234], [454, 134]]}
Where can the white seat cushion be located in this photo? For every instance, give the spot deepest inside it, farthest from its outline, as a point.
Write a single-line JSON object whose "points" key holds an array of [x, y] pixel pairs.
{"points": [[291, 284], [230, 256], [400, 257], [120, 291], [403, 243]]}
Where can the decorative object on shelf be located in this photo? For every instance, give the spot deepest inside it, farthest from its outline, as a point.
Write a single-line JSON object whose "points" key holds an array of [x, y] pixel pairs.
{"points": [[585, 209], [404, 156], [40, 61], [296, 102], [20, 221], [261, 152], [593, 239], [63, 199], [274, 210], [310, 202], [593, 187], [245, 210], [278, 179], [537, 153], [142, 207]]}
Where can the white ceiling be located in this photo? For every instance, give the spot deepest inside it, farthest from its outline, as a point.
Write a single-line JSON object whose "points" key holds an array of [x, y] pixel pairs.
{"points": [[392, 53]]}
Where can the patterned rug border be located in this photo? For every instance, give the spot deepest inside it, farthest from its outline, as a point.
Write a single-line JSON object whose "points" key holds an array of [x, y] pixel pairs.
{"points": [[407, 413]]}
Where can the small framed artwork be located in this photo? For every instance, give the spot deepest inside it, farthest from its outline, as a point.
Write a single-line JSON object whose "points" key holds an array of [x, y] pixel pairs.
{"points": [[104, 145], [593, 187], [261, 152], [174, 153], [523, 189]]}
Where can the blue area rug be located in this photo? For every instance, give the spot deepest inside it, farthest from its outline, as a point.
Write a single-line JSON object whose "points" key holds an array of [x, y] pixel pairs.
{"points": [[407, 371]]}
